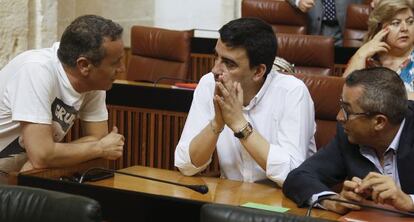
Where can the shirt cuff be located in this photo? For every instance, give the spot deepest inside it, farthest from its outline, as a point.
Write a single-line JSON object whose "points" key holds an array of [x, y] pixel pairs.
{"points": [[184, 164], [316, 196], [412, 198]]}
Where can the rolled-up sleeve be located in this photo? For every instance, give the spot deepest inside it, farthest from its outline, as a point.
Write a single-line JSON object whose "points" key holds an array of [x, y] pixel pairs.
{"points": [[201, 112], [294, 134]]}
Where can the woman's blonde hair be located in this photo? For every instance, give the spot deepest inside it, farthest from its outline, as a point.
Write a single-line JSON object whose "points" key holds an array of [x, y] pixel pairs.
{"points": [[383, 12]]}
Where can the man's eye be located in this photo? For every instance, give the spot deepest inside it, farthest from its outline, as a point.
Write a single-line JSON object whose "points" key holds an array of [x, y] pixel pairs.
{"points": [[229, 64]]}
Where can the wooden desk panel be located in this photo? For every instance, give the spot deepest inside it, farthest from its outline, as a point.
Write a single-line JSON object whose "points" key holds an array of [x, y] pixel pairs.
{"points": [[221, 191], [124, 198]]}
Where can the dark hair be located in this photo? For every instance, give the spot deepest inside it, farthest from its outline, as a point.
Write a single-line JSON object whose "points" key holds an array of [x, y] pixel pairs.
{"points": [[84, 37], [384, 92], [255, 36]]}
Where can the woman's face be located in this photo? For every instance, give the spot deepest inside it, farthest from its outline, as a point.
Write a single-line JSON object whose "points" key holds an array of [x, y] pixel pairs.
{"points": [[401, 35]]}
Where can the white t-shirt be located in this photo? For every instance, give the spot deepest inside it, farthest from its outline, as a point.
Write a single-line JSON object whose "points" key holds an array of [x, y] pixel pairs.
{"points": [[35, 88], [282, 112]]}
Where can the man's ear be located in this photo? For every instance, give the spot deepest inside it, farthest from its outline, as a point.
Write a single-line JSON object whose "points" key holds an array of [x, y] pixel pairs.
{"points": [[84, 65], [260, 72], [380, 122]]}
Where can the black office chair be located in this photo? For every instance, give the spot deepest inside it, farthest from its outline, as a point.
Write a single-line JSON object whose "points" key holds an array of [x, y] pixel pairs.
{"points": [[18, 203], [227, 213]]}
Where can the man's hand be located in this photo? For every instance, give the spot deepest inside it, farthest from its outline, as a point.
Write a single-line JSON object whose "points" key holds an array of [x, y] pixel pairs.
{"points": [[218, 122], [348, 193], [230, 103], [112, 145], [306, 5], [384, 191]]}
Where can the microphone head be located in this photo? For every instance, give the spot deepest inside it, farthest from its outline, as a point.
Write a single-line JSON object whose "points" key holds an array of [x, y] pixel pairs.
{"points": [[203, 189]]}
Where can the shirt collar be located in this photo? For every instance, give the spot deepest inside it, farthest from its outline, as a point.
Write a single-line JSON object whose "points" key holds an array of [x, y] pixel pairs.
{"points": [[255, 100], [396, 141]]}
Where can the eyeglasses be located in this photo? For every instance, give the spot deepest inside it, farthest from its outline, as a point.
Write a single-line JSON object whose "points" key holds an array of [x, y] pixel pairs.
{"points": [[348, 114]]}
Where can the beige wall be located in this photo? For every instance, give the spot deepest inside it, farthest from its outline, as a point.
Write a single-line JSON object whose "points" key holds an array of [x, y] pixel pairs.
{"points": [[126, 12], [13, 28], [29, 24]]}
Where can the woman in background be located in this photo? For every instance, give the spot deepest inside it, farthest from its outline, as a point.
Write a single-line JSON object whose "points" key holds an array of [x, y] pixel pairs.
{"points": [[389, 41]]}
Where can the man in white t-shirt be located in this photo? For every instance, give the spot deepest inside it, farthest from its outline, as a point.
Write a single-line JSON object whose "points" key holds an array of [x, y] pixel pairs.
{"points": [[43, 91], [261, 122]]}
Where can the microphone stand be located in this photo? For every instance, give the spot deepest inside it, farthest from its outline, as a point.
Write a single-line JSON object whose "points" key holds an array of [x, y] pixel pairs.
{"points": [[203, 189], [308, 212]]}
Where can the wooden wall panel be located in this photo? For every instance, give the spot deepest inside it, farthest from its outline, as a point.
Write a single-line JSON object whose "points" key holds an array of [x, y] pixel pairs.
{"points": [[150, 137], [200, 65]]}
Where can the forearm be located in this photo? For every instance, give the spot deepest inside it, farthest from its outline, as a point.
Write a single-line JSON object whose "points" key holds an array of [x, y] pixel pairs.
{"points": [[66, 154], [85, 139], [357, 62], [203, 145], [257, 147]]}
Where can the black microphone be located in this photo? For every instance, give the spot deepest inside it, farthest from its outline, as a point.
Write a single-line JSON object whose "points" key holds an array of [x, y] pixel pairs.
{"points": [[203, 189], [308, 212]]}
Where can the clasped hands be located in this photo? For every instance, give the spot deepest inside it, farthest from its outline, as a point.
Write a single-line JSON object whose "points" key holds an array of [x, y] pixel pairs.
{"points": [[380, 188], [228, 103]]}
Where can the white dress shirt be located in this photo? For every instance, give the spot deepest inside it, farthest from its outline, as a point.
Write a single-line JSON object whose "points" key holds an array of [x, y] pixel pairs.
{"points": [[282, 112]]}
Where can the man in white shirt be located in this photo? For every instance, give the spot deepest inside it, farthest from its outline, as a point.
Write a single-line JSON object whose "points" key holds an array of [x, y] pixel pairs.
{"points": [[42, 93], [261, 122]]}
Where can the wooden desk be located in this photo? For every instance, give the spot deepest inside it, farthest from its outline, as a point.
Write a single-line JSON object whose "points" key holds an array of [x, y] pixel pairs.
{"points": [[124, 197]]}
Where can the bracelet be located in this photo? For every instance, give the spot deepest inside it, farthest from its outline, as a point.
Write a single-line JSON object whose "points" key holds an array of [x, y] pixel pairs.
{"points": [[215, 131]]}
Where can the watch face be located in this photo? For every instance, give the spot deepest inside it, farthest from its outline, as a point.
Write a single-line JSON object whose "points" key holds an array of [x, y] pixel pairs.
{"points": [[244, 132]]}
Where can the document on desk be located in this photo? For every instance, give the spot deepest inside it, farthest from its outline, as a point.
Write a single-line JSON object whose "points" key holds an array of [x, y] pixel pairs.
{"points": [[265, 207]]}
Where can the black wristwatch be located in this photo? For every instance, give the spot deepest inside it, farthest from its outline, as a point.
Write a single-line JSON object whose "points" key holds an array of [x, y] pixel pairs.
{"points": [[244, 132]]}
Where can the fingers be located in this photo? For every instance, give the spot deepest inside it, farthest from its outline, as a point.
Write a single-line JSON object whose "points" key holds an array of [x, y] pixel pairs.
{"points": [[381, 192], [230, 91], [352, 184], [305, 5], [369, 181], [348, 190], [223, 90], [382, 47], [114, 129], [357, 180], [239, 93], [382, 187], [337, 206], [381, 34]]}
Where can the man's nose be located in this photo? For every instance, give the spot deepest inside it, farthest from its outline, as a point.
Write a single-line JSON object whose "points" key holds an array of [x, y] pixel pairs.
{"points": [[217, 68], [340, 117]]}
